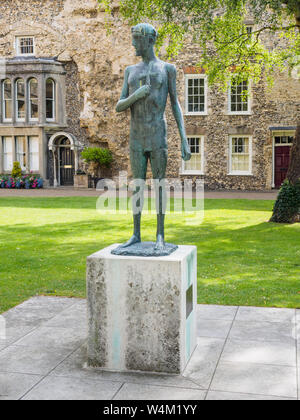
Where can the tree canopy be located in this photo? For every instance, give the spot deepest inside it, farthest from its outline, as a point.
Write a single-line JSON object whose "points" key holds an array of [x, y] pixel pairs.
{"points": [[220, 29]]}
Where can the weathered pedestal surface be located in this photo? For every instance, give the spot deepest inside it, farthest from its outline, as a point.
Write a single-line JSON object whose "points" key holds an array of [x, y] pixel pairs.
{"points": [[142, 310]]}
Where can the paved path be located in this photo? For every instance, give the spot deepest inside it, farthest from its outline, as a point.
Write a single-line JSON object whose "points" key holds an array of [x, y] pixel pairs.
{"points": [[242, 353], [72, 192]]}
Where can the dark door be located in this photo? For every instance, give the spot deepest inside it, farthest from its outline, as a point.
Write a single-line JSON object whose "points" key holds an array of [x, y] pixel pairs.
{"points": [[66, 156], [282, 160]]}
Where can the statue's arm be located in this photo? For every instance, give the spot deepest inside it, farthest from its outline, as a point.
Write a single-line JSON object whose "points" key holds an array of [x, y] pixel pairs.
{"points": [[177, 111], [126, 101]]}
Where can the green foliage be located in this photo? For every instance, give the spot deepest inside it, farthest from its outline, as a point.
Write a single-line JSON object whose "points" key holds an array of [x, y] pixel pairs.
{"points": [[16, 171], [218, 27], [287, 205], [97, 155]]}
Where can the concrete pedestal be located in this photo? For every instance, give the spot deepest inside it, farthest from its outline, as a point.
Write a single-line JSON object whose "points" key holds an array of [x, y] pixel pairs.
{"points": [[142, 310]]}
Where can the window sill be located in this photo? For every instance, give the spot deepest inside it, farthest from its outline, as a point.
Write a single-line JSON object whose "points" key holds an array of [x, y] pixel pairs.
{"points": [[240, 113], [240, 174], [195, 113], [191, 173]]}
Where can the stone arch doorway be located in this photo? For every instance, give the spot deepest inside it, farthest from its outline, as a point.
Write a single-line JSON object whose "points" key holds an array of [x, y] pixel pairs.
{"points": [[65, 159]]}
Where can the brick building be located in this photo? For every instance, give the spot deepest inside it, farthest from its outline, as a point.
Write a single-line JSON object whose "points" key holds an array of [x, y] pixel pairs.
{"points": [[61, 77]]}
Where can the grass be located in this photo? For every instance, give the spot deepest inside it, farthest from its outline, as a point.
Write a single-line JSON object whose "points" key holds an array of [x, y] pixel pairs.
{"points": [[242, 259]]}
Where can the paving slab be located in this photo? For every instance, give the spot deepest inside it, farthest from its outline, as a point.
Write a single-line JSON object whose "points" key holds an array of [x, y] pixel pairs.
{"points": [[73, 317], [74, 366], [14, 385], [213, 328], [242, 353], [55, 338], [263, 331], [224, 313], [153, 392], [251, 378], [204, 361], [31, 360], [273, 353], [266, 314], [234, 396], [57, 388]]}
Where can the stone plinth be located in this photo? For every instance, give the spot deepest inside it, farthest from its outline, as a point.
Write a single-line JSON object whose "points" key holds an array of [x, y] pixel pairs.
{"points": [[142, 310]]}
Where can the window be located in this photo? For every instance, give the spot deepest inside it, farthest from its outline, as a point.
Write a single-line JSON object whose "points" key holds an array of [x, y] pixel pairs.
{"points": [[239, 98], [20, 100], [240, 156], [283, 139], [21, 151], [195, 94], [196, 164], [249, 30], [33, 100], [7, 100], [50, 100], [25, 45], [34, 153], [7, 154]]}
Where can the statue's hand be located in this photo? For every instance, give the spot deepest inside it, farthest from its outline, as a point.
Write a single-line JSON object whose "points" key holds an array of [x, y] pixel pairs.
{"points": [[142, 92], [185, 150]]}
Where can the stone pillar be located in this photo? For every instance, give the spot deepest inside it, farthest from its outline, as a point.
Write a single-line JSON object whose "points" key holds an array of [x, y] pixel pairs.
{"points": [[142, 310], [55, 183]]}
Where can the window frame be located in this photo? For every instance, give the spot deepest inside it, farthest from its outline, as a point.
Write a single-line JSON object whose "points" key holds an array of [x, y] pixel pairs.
{"points": [[188, 77], [30, 153], [3, 139], [18, 119], [194, 171], [24, 154], [4, 100], [250, 171], [29, 99], [18, 46], [249, 101], [53, 100]]}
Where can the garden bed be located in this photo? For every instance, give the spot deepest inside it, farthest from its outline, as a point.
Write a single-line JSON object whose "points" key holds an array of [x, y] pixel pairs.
{"points": [[25, 181]]}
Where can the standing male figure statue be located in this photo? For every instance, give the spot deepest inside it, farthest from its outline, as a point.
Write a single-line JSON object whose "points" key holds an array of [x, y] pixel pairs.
{"points": [[145, 91]]}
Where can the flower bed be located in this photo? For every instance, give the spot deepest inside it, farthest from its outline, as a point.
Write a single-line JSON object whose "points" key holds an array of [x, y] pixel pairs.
{"points": [[25, 181]]}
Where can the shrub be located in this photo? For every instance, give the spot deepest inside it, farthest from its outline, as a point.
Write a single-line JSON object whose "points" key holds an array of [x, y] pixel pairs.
{"points": [[287, 206], [98, 155], [16, 171]]}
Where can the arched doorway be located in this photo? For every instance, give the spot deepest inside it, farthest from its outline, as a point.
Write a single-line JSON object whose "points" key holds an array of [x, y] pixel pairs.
{"points": [[65, 158]]}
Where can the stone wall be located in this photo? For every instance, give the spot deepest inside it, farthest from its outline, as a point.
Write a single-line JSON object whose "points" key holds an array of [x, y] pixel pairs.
{"points": [[74, 32]]}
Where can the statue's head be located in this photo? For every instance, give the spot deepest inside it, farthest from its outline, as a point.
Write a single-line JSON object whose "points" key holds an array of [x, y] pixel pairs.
{"points": [[143, 37]]}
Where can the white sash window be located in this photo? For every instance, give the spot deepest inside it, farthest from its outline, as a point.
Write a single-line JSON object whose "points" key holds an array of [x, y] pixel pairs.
{"points": [[20, 100], [240, 155], [7, 100], [34, 153], [33, 100], [7, 154], [196, 164], [21, 152]]}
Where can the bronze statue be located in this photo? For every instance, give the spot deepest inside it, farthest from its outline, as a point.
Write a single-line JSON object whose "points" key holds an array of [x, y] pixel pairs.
{"points": [[145, 91]]}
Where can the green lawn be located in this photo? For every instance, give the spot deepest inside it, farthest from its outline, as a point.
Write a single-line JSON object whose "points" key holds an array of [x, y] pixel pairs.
{"points": [[242, 260]]}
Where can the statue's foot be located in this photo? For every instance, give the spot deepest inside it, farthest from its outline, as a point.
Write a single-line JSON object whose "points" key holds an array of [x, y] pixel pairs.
{"points": [[160, 244], [133, 240]]}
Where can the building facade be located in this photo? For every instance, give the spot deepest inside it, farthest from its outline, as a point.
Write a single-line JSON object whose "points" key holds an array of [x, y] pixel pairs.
{"points": [[61, 77]]}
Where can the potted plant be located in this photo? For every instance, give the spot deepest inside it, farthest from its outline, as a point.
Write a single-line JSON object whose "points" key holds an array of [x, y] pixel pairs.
{"points": [[96, 158]]}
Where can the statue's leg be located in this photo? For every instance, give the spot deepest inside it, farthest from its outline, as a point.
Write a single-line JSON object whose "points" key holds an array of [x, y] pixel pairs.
{"points": [[138, 161], [159, 160]]}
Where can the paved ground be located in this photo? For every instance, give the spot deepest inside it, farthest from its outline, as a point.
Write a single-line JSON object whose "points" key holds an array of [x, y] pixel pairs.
{"points": [[72, 192], [242, 353]]}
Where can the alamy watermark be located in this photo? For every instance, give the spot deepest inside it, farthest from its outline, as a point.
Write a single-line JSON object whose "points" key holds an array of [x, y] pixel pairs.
{"points": [[167, 196], [2, 328]]}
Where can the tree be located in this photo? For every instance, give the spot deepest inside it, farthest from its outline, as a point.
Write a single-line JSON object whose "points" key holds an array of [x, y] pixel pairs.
{"points": [[227, 48]]}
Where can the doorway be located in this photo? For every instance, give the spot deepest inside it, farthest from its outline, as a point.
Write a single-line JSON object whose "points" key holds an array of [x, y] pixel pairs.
{"points": [[66, 163], [282, 148]]}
